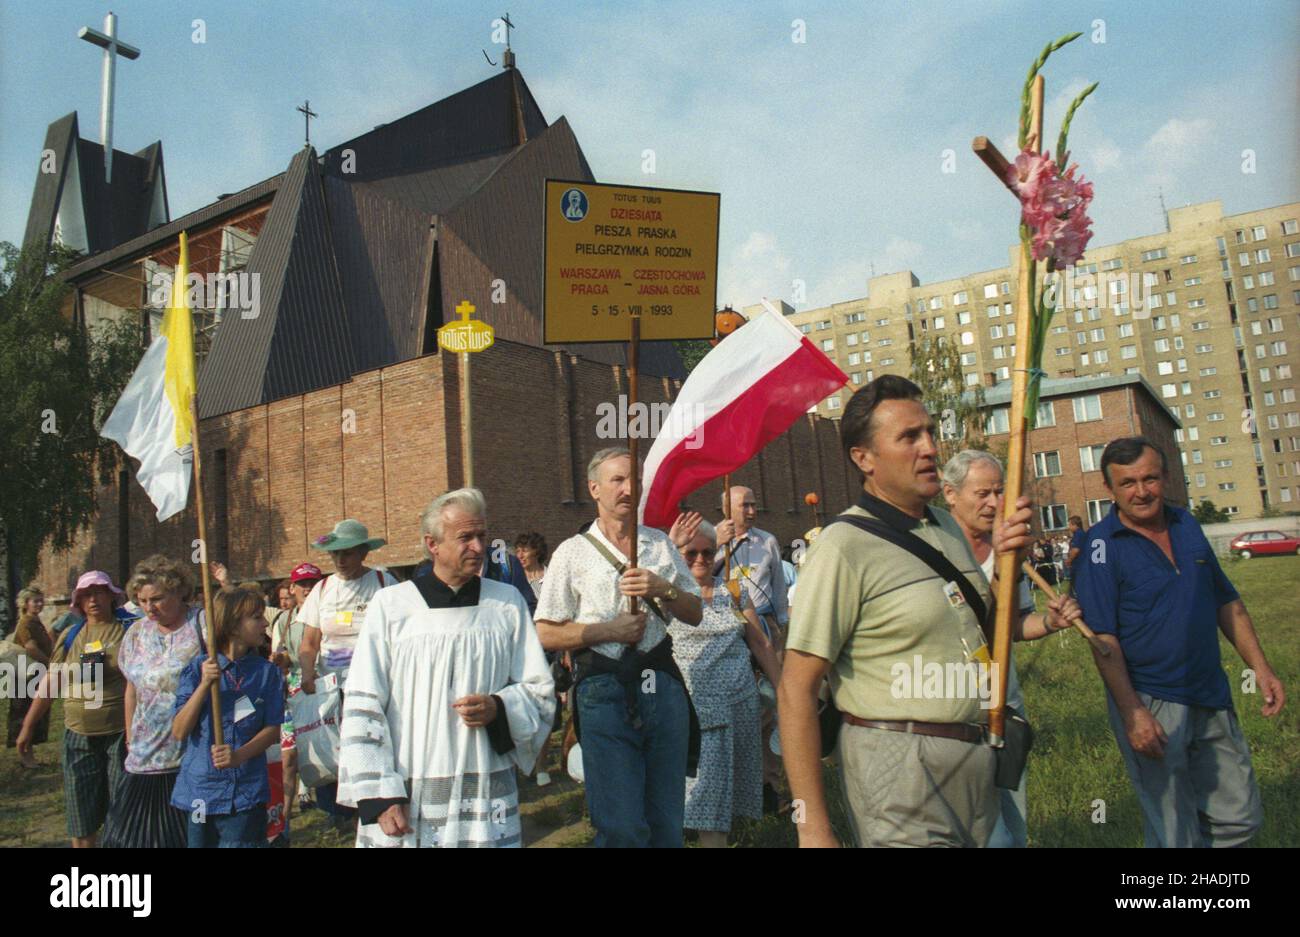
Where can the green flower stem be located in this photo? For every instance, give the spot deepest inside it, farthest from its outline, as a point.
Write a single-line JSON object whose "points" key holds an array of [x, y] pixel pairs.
{"points": [[1029, 84], [1061, 154]]}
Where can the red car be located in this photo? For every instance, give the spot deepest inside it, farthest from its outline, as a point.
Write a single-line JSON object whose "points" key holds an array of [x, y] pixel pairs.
{"points": [[1264, 543]]}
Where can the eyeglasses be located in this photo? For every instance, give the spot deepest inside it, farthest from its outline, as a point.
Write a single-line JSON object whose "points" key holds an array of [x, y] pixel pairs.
{"points": [[692, 554]]}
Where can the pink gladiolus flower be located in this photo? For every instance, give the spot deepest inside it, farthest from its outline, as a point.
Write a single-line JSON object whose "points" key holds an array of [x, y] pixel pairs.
{"points": [[1054, 205]]}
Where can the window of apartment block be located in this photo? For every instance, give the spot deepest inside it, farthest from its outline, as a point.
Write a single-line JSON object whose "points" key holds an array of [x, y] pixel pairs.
{"points": [[805, 329], [1258, 233], [1187, 259], [851, 339], [882, 322], [1062, 352], [998, 421], [1270, 301], [1192, 281], [823, 326], [1218, 440], [1196, 457], [1211, 394], [1087, 408], [1053, 516], [1168, 391], [1293, 249], [828, 344], [1290, 226], [1207, 372], [968, 359], [854, 358], [938, 322], [1266, 278], [1098, 509], [1003, 374], [1165, 367], [1200, 479], [1243, 259], [963, 318], [1113, 264], [1262, 256], [959, 298], [968, 338], [1047, 463], [881, 342], [1196, 304], [1046, 415], [1214, 416], [990, 290], [1090, 458], [833, 403], [1128, 351], [1100, 356], [1158, 254]]}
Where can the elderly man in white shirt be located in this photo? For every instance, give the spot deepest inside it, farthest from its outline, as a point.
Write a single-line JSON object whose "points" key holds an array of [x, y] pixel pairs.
{"points": [[633, 715]]}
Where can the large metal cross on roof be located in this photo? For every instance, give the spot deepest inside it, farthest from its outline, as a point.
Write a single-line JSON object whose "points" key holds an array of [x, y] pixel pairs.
{"points": [[113, 47]]}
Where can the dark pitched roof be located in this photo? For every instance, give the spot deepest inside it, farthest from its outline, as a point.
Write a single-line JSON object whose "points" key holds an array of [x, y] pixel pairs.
{"points": [[299, 340], [467, 125], [60, 137], [113, 212], [385, 262], [170, 231]]}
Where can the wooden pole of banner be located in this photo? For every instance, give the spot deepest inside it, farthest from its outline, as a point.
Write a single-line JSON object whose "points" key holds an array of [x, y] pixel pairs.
{"points": [[733, 585], [1008, 564], [633, 356], [218, 736], [466, 423], [1098, 645]]}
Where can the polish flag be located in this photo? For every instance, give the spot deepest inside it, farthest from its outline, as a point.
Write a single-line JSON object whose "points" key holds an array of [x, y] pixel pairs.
{"points": [[744, 393]]}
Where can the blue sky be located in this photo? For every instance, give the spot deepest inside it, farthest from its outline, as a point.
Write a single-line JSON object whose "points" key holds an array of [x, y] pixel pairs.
{"points": [[828, 152]]}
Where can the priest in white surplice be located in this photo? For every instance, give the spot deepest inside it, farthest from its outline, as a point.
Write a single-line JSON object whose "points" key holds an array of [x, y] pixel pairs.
{"points": [[449, 692]]}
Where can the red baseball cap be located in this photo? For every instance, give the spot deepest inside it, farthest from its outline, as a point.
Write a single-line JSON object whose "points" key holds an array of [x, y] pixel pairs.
{"points": [[306, 572]]}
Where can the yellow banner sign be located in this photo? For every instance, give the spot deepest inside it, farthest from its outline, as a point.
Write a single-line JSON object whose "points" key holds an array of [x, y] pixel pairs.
{"points": [[465, 334], [614, 251]]}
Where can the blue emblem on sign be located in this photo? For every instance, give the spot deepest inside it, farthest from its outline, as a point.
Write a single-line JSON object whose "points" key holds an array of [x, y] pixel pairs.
{"points": [[574, 202]]}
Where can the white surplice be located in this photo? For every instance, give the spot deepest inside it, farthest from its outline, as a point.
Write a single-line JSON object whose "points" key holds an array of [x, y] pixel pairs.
{"points": [[402, 739]]}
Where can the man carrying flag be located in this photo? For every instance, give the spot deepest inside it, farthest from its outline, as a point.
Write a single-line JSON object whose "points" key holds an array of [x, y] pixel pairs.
{"points": [[152, 421]]}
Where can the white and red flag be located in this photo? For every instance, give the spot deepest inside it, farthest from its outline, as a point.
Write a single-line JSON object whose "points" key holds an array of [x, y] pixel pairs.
{"points": [[742, 395]]}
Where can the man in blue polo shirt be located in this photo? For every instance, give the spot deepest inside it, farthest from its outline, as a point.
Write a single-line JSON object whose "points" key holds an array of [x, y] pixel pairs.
{"points": [[1152, 589]]}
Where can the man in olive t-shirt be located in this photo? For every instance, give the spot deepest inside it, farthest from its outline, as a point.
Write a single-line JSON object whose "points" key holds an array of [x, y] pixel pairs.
{"points": [[882, 624]]}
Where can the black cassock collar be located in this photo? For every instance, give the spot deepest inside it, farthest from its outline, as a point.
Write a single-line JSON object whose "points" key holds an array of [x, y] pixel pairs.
{"points": [[437, 594]]}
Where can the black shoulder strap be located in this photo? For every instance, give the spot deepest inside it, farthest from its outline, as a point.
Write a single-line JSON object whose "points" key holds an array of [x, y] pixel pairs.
{"points": [[620, 566], [926, 554]]}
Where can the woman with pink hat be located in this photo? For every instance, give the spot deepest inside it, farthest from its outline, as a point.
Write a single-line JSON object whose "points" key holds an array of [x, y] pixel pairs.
{"points": [[84, 671]]}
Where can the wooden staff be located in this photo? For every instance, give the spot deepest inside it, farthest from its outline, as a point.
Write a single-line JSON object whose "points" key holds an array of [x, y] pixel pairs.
{"points": [[1008, 563], [634, 352], [1098, 645], [732, 586], [218, 736], [467, 423]]}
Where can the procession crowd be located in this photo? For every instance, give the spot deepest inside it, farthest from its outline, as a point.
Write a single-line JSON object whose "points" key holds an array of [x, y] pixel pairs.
{"points": [[704, 681]]}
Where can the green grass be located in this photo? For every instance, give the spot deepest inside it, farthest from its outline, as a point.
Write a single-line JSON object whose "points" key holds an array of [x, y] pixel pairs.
{"points": [[1075, 761]]}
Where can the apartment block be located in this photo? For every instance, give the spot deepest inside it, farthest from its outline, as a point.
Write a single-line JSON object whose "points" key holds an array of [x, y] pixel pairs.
{"points": [[1208, 312]]}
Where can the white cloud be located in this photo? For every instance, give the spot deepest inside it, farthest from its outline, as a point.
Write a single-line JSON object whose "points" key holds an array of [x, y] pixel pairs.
{"points": [[755, 268], [1173, 142]]}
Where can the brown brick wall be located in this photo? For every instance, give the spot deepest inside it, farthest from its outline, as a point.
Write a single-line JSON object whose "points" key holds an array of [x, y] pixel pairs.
{"points": [[381, 446]]}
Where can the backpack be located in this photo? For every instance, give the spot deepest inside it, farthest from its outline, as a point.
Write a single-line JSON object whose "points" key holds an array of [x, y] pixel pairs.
{"points": [[123, 616]]}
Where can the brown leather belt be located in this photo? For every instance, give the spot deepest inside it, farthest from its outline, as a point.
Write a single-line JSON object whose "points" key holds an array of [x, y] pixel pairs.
{"points": [[960, 731]]}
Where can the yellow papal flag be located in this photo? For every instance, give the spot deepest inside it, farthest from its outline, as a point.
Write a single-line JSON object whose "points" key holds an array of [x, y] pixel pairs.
{"points": [[152, 421]]}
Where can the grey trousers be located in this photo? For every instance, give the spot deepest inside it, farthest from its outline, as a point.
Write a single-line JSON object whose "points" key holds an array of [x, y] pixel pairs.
{"points": [[1203, 792], [917, 790]]}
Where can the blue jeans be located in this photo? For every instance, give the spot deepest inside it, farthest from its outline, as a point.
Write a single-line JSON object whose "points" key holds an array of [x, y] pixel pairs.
{"points": [[246, 830], [634, 759]]}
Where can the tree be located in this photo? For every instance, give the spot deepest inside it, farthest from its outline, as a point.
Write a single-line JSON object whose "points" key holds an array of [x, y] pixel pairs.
{"points": [[692, 352], [936, 369], [1206, 513], [60, 382]]}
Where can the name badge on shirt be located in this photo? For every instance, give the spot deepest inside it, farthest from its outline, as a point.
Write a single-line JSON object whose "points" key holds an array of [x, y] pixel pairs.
{"points": [[343, 618], [243, 708], [93, 647], [953, 592]]}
